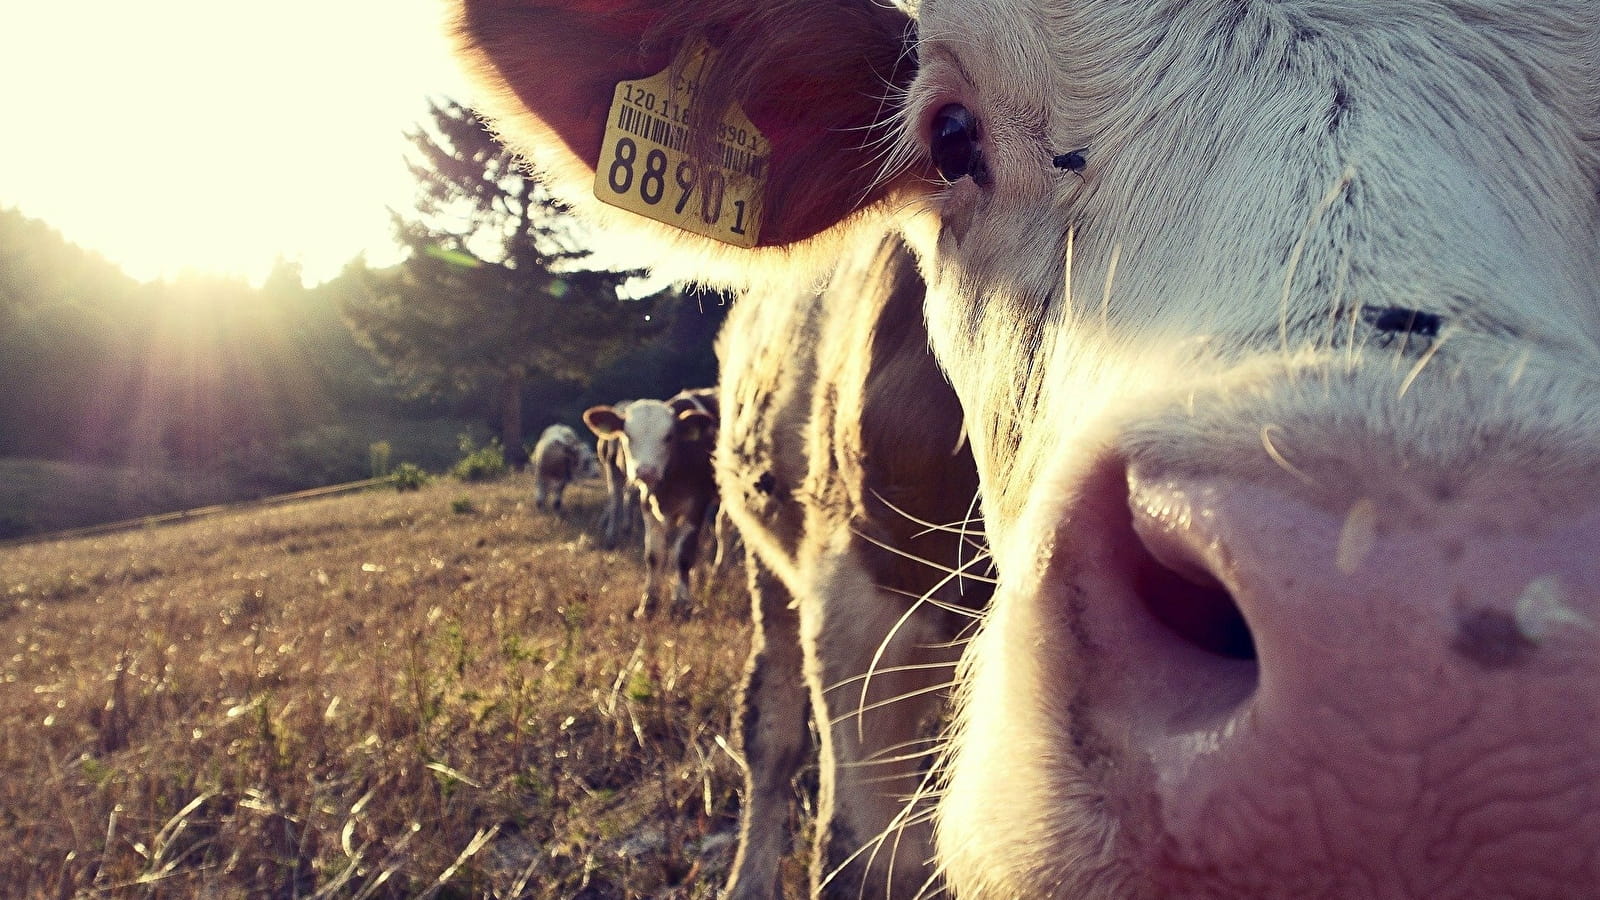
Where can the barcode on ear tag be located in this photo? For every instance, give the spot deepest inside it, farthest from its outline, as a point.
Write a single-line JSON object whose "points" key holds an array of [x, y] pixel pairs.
{"points": [[646, 166]]}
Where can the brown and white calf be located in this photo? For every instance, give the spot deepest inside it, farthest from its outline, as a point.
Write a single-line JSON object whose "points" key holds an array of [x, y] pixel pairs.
{"points": [[1275, 328], [665, 448], [557, 460]]}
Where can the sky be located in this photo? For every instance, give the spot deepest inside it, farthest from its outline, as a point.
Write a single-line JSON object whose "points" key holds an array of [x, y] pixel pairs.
{"points": [[197, 135]]}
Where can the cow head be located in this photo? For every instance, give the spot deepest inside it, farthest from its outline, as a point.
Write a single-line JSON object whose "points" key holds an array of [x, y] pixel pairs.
{"points": [[1277, 330], [650, 431]]}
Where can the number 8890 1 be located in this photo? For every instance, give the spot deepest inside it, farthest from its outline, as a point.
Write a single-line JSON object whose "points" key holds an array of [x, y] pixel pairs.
{"points": [[651, 180]]}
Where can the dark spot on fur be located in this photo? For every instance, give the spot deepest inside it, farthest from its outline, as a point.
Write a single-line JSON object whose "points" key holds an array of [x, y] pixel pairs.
{"points": [[1233, 17], [1338, 108], [750, 726], [1399, 320], [981, 176], [1088, 745], [766, 484], [1295, 51], [1491, 638], [1285, 252]]}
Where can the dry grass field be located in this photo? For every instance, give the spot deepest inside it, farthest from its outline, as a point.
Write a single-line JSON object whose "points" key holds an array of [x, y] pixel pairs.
{"points": [[437, 693]]}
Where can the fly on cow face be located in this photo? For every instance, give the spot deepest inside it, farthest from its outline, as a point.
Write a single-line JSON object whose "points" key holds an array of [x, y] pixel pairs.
{"points": [[1072, 161], [1399, 320]]}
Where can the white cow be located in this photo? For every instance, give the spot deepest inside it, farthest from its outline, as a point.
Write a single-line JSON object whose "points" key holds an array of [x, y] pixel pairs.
{"points": [[1275, 328], [557, 461]]}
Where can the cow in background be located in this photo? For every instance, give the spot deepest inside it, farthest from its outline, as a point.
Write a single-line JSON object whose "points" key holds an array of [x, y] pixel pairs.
{"points": [[726, 547], [620, 515], [588, 463], [665, 450], [557, 462]]}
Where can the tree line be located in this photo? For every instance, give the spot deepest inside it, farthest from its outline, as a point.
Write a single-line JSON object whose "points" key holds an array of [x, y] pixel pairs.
{"points": [[496, 317]]}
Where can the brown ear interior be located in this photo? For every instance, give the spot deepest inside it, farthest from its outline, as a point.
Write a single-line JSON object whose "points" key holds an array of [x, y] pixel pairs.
{"points": [[602, 420], [812, 75], [562, 61]]}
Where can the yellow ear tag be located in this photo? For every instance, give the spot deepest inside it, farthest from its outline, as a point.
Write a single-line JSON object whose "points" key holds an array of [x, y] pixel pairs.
{"points": [[645, 165]]}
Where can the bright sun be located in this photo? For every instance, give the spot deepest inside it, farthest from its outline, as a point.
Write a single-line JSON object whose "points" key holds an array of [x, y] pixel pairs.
{"points": [[189, 134]]}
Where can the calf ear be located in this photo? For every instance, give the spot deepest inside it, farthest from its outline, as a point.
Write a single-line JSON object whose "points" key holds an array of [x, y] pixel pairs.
{"points": [[695, 426], [684, 401], [814, 76], [602, 420]]}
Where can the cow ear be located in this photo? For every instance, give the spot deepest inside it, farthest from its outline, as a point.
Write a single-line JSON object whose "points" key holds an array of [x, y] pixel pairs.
{"points": [[683, 402], [695, 425], [813, 76], [602, 420]]}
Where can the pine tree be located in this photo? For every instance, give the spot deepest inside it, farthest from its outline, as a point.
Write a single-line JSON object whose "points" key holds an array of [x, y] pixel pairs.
{"points": [[494, 289]]}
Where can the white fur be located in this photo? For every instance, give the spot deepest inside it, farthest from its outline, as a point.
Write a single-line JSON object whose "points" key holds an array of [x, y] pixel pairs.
{"points": [[1257, 174], [646, 436], [1245, 235]]}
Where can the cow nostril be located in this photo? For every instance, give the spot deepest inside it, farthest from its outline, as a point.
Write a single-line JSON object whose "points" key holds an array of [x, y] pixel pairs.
{"points": [[1165, 619], [1195, 606]]}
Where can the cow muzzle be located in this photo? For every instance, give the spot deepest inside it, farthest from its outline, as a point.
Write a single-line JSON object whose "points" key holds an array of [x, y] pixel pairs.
{"points": [[1270, 692], [647, 476]]}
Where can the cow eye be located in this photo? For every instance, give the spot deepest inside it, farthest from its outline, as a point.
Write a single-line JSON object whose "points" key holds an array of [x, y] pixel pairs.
{"points": [[953, 145]]}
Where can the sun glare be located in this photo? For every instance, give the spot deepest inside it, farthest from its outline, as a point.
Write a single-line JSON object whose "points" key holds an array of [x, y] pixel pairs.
{"points": [[179, 135]]}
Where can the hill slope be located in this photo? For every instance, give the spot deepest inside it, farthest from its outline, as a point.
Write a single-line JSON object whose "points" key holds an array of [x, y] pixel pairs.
{"points": [[374, 695]]}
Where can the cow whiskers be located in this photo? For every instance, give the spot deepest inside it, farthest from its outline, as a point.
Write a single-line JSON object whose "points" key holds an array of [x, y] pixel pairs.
{"points": [[883, 645], [1427, 356], [916, 811], [888, 148], [913, 667], [959, 526], [863, 708], [958, 571], [887, 777], [962, 527], [1279, 458], [943, 605], [1297, 252], [882, 757]]}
